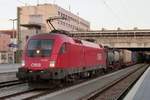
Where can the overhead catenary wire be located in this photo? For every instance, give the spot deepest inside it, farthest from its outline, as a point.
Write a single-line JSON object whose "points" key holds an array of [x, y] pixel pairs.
{"points": [[124, 6], [112, 11]]}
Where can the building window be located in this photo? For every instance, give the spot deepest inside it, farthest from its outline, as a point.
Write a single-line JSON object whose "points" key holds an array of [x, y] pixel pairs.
{"points": [[35, 19], [58, 13]]}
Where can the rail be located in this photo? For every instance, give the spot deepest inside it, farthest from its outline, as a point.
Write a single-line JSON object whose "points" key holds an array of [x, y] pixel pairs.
{"points": [[10, 83]]}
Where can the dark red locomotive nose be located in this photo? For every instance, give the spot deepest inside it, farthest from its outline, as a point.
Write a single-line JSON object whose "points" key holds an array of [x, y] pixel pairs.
{"points": [[38, 53]]}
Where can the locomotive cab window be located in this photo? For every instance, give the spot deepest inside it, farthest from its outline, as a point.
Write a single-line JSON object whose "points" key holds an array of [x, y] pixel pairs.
{"points": [[63, 48], [39, 47]]}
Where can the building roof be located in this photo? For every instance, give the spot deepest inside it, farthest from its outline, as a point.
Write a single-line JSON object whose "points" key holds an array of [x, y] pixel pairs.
{"points": [[9, 32]]}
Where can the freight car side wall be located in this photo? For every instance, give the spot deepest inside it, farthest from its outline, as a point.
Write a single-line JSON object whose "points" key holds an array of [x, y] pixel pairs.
{"points": [[110, 57], [119, 57], [127, 57], [116, 56], [134, 57]]}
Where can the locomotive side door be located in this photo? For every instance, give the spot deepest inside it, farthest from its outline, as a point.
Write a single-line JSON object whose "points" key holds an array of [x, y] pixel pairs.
{"points": [[63, 55]]}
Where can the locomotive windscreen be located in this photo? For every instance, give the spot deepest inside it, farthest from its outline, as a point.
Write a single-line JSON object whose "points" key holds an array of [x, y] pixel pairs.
{"points": [[39, 48]]}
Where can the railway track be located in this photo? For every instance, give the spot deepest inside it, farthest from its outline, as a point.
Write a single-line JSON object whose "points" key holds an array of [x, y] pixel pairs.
{"points": [[10, 83], [7, 76], [27, 93], [118, 88], [70, 93], [33, 93]]}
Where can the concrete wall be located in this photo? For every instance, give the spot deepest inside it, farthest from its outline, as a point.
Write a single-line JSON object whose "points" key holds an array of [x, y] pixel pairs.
{"points": [[125, 42]]}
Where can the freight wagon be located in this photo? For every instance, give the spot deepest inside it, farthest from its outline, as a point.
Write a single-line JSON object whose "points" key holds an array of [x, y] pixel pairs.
{"points": [[114, 58]]}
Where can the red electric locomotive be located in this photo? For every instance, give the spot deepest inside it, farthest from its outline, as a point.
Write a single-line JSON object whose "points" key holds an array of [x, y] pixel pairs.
{"points": [[57, 56]]}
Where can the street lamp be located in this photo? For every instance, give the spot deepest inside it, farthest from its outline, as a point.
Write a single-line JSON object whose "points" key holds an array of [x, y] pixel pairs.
{"points": [[13, 38]]}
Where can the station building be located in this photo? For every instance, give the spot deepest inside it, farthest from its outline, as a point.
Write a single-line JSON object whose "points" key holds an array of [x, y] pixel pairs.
{"points": [[6, 55], [32, 20]]}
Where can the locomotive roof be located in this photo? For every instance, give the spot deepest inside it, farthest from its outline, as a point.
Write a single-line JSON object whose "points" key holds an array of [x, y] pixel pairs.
{"points": [[65, 38], [48, 35], [52, 36]]}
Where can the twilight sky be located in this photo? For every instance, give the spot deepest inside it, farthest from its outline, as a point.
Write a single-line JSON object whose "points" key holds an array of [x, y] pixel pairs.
{"points": [[109, 14]]}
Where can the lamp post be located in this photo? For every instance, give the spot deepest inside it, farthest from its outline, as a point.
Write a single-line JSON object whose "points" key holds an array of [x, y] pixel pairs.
{"points": [[13, 38]]}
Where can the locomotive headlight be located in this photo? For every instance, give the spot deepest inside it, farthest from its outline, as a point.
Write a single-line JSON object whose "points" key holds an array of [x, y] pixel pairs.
{"points": [[23, 63], [37, 51], [52, 64]]}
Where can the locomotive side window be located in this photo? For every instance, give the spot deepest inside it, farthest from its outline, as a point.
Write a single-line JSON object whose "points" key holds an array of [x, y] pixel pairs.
{"points": [[63, 49], [41, 48]]}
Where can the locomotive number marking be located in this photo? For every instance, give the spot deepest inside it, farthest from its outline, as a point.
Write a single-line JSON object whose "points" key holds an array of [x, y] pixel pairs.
{"points": [[36, 65], [44, 60]]}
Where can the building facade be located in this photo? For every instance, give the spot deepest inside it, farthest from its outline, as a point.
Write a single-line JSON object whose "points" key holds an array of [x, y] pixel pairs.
{"points": [[5, 52], [32, 20]]}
